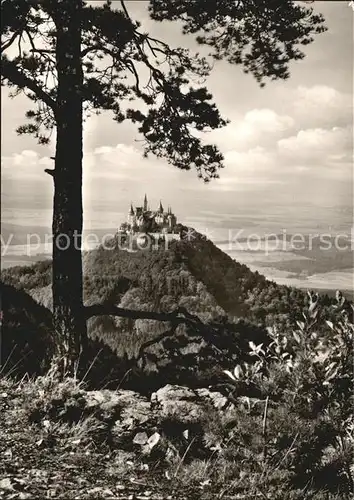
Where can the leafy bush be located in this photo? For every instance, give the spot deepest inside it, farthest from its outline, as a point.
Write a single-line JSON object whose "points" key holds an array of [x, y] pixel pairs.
{"points": [[303, 422]]}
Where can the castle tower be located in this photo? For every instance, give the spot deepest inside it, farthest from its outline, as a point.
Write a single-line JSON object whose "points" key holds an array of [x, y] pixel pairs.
{"points": [[131, 214], [164, 221]]}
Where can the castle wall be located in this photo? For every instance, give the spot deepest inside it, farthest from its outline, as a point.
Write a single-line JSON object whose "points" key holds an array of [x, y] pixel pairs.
{"points": [[166, 221], [154, 237]]}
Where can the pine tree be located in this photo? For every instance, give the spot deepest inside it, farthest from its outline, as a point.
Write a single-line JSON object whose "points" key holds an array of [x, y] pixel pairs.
{"points": [[72, 58]]}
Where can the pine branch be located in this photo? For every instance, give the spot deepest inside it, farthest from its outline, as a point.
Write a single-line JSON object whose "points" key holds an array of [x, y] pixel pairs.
{"points": [[14, 35], [12, 73]]}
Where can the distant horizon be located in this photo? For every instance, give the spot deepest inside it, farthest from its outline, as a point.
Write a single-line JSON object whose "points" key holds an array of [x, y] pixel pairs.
{"points": [[9, 215], [302, 262], [288, 144]]}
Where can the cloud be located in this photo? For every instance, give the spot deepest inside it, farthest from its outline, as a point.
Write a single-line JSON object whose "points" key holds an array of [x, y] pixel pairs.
{"points": [[121, 170], [320, 95], [318, 146], [124, 162], [256, 128], [310, 155], [25, 165], [248, 171], [249, 162], [321, 105], [266, 120]]}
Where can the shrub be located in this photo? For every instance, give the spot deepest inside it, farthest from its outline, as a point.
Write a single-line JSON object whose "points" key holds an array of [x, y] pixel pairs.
{"points": [[303, 423]]}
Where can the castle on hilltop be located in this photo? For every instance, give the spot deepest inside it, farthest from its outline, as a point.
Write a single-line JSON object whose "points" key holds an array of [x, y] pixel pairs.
{"points": [[142, 219]]}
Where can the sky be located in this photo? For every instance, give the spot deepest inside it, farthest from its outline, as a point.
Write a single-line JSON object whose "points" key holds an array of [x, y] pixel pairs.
{"points": [[289, 144]]}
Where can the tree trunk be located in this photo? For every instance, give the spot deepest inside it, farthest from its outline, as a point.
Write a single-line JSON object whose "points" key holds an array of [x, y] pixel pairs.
{"points": [[68, 314]]}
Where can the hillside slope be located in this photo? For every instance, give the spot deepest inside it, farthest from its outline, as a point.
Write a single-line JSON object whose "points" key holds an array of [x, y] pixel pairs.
{"points": [[192, 274], [25, 331]]}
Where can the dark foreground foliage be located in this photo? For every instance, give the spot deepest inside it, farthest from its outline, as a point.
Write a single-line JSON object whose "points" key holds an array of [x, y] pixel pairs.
{"points": [[286, 434]]}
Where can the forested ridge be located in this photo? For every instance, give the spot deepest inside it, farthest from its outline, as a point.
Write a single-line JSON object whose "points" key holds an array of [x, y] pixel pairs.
{"points": [[194, 275], [186, 270]]}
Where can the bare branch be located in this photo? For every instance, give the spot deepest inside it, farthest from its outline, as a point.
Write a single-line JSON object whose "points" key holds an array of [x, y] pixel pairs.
{"points": [[109, 310], [9, 42], [89, 49], [178, 317], [34, 49], [155, 340], [132, 68], [125, 9], [101, 47], [13, 37], [16, 33], [30, 40], [42, 51]]}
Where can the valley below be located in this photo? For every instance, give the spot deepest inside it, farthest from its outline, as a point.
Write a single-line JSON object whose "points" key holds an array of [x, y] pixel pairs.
{"points": [[295, 257]]}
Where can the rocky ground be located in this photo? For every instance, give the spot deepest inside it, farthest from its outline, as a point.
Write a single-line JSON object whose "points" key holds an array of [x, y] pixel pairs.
{"points": [[58, 440]]}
